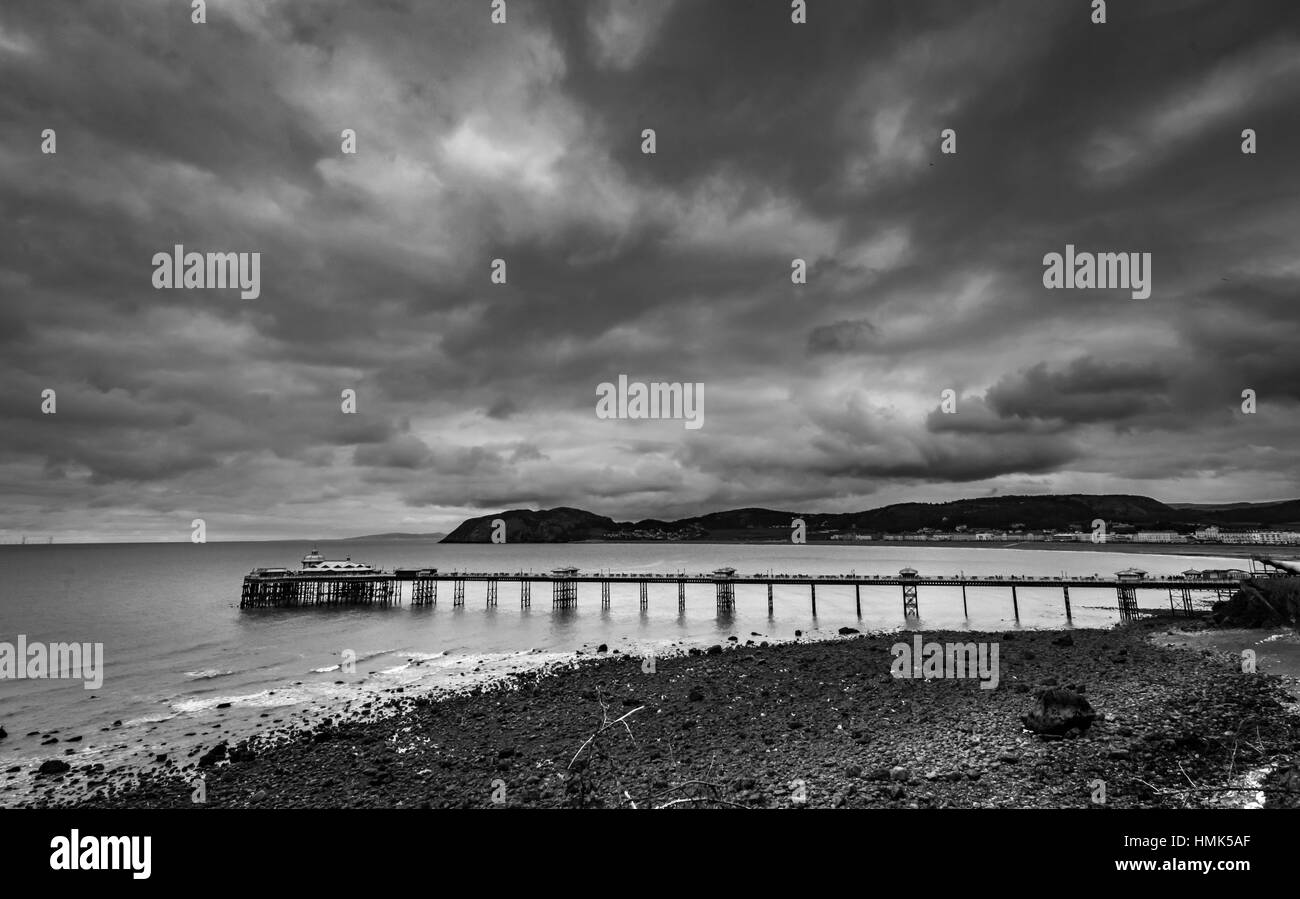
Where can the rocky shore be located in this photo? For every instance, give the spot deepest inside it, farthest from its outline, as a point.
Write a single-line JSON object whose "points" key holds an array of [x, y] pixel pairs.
{"points": [[815, 724]]}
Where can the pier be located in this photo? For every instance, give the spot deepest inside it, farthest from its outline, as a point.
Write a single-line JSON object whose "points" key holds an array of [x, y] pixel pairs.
{"points": [[284, 588]]}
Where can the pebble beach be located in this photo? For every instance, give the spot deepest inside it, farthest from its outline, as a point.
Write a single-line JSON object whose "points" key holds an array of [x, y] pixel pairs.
{"points": [[795, 724]]}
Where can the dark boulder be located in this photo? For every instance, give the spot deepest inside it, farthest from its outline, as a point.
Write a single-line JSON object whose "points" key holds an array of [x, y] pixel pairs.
{"points": [[1058, 711], [53, 766], [212, 756], [1260, 604], [1282, 788]]}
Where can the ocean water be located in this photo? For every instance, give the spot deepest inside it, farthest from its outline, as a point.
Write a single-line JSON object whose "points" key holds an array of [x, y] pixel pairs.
{"points": [[177, 645]]}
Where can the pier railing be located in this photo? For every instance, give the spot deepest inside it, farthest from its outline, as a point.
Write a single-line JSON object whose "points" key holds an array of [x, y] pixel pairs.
{"points": [[278, 588]]}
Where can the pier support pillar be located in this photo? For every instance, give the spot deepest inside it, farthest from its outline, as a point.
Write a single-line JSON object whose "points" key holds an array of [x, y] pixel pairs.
{"points": [[423, 591], [645, 595], [857, 595], [1015, 603], [769, 599], [1187, 601], [911, 608], [1065, 591], [492, 592], [965, 611], [726, 596], [681, 596], [814, 599], [1128, 606], [525, 594], [458, 593], [564, 593], [604, 594]]}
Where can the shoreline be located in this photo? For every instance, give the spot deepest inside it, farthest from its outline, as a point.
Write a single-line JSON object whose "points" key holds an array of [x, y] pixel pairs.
{"points": [[1234, 550], [762, 726]]}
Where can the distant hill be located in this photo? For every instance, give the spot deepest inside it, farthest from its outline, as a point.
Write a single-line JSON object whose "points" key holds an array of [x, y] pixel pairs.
{"points": [[525, 526], [398, 536], [1258, 515], [1055, 512], [1034, 512], [1220, 506]]}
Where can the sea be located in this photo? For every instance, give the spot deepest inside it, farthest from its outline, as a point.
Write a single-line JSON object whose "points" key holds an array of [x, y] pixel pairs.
{"points": [[184, 667]]}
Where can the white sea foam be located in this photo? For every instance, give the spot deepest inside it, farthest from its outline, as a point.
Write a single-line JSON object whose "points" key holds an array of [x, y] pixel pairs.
{"points": [[208, 673], [412, 658], [263, 699], [147, 719], [362, 656]]}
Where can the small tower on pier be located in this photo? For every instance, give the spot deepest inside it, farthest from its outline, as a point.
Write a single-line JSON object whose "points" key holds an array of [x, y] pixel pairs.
{"points": [[910, 604], [1127, 591], [564, 589], [724, 578]]}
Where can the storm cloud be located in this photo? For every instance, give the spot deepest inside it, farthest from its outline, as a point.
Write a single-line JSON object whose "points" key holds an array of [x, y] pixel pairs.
{"points": [[523, 142]]}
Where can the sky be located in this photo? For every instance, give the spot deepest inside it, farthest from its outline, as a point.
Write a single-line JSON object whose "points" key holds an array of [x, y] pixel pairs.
{"points": [[523, 141]]}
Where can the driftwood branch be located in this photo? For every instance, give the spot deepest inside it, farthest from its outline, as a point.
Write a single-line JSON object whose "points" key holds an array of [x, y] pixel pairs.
{"points": [[701, 799], [622, 719], [596, 752]]}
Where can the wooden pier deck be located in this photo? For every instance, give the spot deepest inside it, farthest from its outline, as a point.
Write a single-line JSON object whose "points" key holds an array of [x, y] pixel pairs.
{"points": [[280, 589]]}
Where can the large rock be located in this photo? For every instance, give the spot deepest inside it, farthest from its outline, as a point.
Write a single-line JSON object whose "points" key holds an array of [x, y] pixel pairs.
{"points": [[212, 756], [1260, 603], [1059, 711], [1282, 788], [53, 766]]}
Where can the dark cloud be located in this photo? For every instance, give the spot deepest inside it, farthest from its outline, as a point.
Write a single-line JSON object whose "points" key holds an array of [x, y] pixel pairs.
{"points": [[1086, 391], [841, 337]]}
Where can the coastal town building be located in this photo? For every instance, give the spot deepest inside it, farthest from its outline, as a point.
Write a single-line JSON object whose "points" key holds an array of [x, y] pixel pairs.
{"points": [[1261, 537], [1118, 533], [1159, 537]]}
